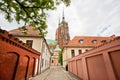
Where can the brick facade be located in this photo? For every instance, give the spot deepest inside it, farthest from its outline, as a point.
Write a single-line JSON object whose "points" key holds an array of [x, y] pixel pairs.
{"points": [[17, 60], [62, 34]]}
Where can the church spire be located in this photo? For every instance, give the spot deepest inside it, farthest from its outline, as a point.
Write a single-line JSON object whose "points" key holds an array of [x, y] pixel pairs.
{"points": [[63, 18], [59, 21]]}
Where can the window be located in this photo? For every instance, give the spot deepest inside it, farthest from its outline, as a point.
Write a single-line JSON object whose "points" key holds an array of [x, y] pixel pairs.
{"points": [[94, 41], [86, 50], [72, 53], [79, 51], [29, 43], [42, 62], [81, 41], [52, 61], [103, 41]]}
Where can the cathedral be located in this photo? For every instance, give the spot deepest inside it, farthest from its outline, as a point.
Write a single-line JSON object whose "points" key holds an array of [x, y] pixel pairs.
{"points": [[62, 38], [62, 33]]}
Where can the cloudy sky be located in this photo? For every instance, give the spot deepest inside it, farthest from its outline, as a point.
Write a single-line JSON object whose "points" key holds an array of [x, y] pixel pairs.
{"points": [[84, 17]]}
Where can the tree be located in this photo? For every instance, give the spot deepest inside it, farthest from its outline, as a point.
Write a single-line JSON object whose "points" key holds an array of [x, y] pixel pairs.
{"points": [[60, 58], [31, 12]]}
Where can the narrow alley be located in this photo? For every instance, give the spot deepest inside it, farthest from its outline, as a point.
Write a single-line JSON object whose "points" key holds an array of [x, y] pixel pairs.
{"points": [[55, 73]]}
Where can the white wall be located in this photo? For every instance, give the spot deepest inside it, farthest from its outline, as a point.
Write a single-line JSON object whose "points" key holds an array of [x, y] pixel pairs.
{"points": [[46, 56], [36, 66], [37, 41], [67, 53]]}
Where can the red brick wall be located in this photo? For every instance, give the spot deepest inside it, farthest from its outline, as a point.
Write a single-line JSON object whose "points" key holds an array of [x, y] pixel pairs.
{"points": [[8, 65], [101, 63], [79, 68], [17, 60], [115, 60], [96, 66]]}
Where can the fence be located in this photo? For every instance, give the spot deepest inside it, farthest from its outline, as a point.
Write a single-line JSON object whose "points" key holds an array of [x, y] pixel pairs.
{"points": [[17, 60], [101, 63]]}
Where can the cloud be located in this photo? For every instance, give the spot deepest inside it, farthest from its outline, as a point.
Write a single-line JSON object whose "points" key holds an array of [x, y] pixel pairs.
{"points": [[96, 15], [103, 30]]}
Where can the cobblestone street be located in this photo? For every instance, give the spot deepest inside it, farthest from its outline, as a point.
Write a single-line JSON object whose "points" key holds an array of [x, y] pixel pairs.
{"points": [[55, 73]]}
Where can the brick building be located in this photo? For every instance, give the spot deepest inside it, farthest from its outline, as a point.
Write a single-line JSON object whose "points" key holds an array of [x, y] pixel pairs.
{"points": [[62, 33], [55, 56], [55, 50]]}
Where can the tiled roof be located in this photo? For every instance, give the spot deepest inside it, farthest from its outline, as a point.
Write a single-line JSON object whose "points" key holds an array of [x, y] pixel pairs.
{"points": [[30, 32], [88, 41]]}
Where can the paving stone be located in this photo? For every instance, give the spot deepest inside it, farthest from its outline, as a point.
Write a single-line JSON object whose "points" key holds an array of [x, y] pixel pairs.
{"points": [[55, 73]]}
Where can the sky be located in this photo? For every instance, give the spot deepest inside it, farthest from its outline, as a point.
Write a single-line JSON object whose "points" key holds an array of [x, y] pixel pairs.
{"points": [[84, 17]]}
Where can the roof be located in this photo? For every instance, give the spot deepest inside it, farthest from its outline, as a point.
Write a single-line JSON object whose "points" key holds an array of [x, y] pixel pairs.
{"points": [[88, 41], [51, 42], [30, 32], [57, 49]]}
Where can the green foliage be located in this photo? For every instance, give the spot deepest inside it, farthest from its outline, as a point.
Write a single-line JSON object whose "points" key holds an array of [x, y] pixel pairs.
{"points": [[32, 12], [60, 58]]}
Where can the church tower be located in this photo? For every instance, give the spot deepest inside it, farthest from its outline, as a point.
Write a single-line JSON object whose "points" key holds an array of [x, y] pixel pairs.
{"points": [[62, 33]]}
